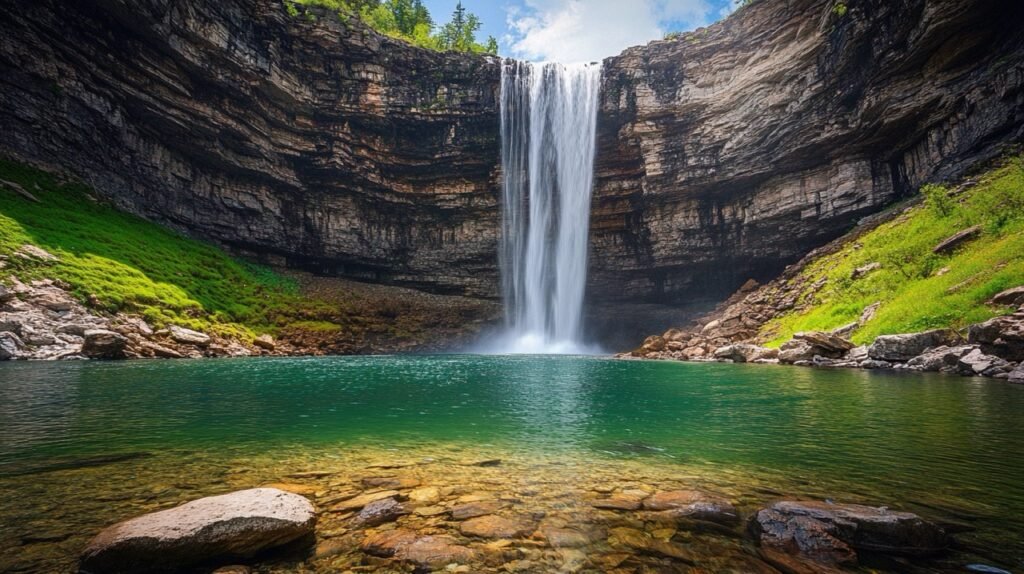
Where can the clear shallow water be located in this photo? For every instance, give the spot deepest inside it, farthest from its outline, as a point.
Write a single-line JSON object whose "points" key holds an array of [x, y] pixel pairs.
{"points": [[946, 447]]}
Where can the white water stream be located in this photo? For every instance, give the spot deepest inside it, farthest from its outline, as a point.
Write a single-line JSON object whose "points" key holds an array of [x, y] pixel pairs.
{"points": [[548, 124]]}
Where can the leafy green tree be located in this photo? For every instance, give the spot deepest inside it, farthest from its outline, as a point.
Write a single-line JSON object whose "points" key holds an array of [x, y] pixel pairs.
{"points": [[409, 20]]}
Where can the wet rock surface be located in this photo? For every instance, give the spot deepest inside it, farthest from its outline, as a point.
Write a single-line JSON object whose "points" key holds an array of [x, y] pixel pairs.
{"points": [[833, 533], [240, 524], [547, 500]]}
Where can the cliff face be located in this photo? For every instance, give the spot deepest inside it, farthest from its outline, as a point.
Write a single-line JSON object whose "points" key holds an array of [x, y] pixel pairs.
{"points": [[732, 151], [723, 155], [320, 143]]}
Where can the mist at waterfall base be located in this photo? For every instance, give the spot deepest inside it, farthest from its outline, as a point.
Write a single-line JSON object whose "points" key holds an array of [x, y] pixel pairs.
{"points": [[548, 125]]}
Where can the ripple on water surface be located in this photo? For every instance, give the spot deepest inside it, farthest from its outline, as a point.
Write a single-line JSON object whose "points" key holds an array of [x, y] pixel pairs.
{"points": [[945, 447]]}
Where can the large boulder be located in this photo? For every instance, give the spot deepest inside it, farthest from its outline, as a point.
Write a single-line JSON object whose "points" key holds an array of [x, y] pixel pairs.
{"points": [[828, 344], [795, 351], [977, 362], [833, 533], [188, 336], [805, 346], [265, 342], [1009, 298], [1001, 336], [103, 344], [217, 528], [942, 358], [1017, 375], [954, 241], [10, 344], [742, 353], [906, 346]]}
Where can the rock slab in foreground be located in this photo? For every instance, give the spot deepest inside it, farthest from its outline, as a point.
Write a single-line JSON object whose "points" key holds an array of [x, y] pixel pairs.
{"points": [[832, 533], [235, 525]]}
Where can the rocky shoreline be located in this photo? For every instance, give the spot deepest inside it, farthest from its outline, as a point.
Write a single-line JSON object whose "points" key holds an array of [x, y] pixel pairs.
{"points": [[48, 319], [396, 520], [994, 348], [42, 320]]}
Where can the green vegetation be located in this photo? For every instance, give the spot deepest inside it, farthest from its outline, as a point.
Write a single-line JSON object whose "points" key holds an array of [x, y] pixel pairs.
{"points": [[917, 288], [408, 20], [115, 262], [840, 9], [128, 264]]}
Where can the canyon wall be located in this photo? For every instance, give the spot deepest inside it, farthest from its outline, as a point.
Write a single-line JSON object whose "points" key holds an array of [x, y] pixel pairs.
{"points": [[723, 154], [727, 153], [308, 141]]}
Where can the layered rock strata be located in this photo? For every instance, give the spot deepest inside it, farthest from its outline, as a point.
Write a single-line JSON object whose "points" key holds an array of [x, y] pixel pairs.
{"points": [[310, 141], [723, 154], [732, 151]]}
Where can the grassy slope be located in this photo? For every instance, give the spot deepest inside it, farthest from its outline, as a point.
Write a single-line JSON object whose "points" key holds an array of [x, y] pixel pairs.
{"points": [[134, 266], [915, 291]]}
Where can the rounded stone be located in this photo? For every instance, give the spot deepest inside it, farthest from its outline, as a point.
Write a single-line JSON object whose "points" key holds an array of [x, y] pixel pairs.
{"points": [[236, 525]]}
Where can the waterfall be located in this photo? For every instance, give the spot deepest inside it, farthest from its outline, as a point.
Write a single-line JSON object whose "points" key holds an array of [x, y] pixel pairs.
{"points": [[548, 122]]}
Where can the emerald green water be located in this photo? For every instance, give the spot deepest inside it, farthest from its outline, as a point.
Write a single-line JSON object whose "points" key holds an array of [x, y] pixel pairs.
{"points": [[946, 447]]}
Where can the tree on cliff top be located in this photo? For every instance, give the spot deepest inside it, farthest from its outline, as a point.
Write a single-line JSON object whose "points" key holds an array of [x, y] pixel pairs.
{"points": [[409, 20], [459, 33]]}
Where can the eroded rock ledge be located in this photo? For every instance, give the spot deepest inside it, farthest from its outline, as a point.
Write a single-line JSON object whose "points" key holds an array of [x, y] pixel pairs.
{"points": [[730, 152], [319, 144], [722, 155]]}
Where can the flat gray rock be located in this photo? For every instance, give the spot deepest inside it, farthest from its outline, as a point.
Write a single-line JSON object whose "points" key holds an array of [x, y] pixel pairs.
{"points": [[236, 525]]}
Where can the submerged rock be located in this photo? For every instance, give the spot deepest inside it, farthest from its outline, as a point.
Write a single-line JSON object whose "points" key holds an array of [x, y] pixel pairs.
{"points": [[430, 551], [832, 533], [240, 524], [494, 526], [620, 501], [474, 509], [360, 501], [693, 505], [381, 511], [564, 537]]}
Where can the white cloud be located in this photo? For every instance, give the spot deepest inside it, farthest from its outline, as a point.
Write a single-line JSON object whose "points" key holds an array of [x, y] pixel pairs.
{"points": [[589, 30]]}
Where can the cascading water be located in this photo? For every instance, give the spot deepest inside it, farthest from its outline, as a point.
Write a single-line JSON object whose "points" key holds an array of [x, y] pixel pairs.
{"points": [[548, 122]]}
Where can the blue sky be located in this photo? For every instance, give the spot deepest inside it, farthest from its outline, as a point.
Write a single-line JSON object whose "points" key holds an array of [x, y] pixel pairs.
{"points": [[581, 30]]}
